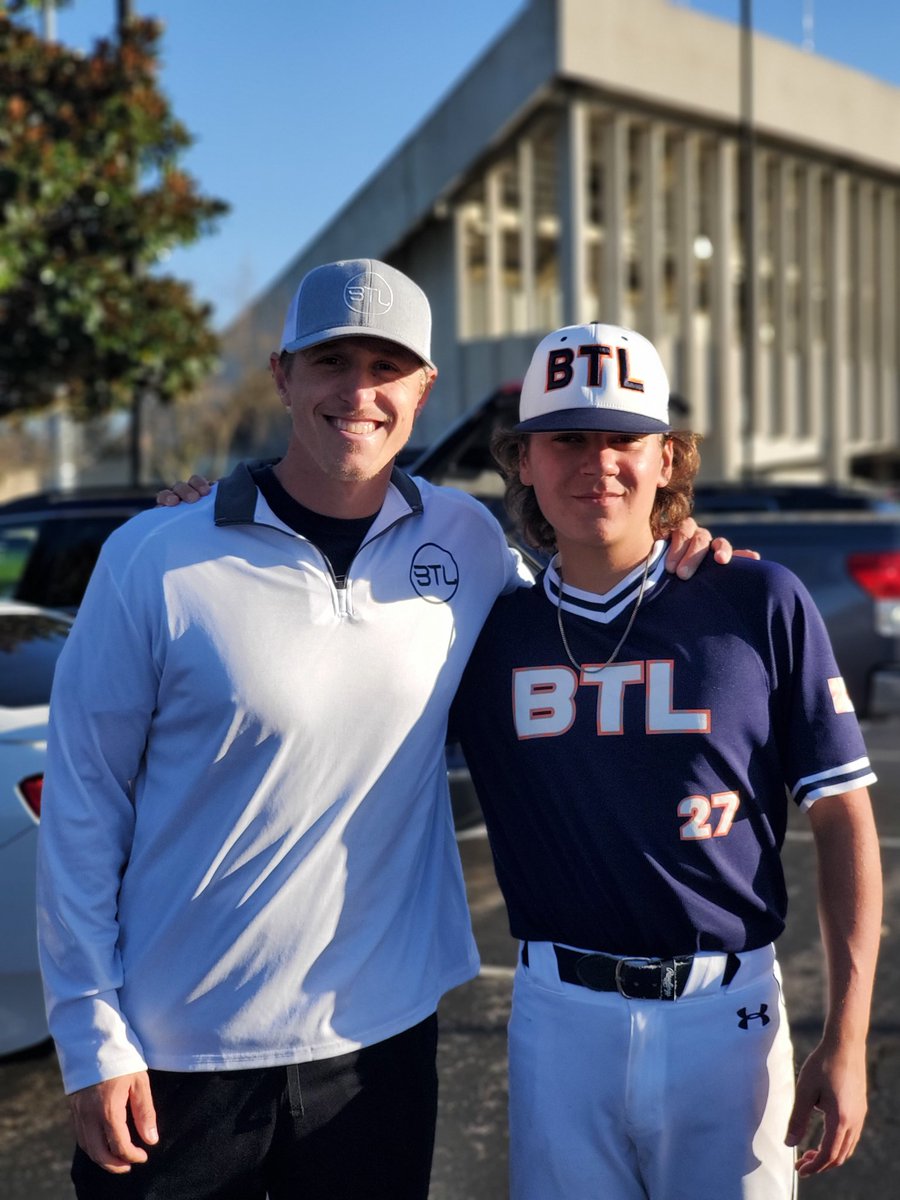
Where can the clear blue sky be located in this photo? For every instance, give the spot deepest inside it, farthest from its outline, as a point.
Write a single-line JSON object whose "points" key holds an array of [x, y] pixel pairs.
{"points": [[294, 103]]}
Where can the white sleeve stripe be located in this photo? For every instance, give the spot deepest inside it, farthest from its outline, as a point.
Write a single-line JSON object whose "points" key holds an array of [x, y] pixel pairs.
{"points": [[836, 789], [858, 764]]}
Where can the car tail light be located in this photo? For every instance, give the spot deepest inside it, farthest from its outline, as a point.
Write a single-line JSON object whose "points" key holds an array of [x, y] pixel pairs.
{"points": [[877, 573], [31, 789]]}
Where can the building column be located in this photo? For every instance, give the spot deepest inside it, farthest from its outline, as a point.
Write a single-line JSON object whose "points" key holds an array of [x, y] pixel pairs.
{"points": [[809, 408], [861, 391], [527, 236], [652, 232], [887, 361], [780, 399], [838, 353], [494, 223], [615, 184], [686, 208], [573, 212], [460, 282], [728, 416]]}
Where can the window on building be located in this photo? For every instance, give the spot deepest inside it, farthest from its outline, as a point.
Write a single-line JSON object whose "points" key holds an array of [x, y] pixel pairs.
{"points": [[595, 222], [824, 242], [509, 230], [511, 317], [637, 214], [706, 233], [795, 218], [670, 242], [851, 282], [547, 268], [472, 228], [867, 223], [767, 213]]}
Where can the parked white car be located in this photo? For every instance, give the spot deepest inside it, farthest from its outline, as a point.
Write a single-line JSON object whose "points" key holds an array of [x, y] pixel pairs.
{"points": [[30, 641]]}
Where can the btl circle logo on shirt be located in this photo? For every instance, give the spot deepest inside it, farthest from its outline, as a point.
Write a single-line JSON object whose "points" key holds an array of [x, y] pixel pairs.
{"points": [[434, 573]]}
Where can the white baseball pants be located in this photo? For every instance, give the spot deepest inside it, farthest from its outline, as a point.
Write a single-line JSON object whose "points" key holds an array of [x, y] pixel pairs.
{"points": [[618, 1099]]}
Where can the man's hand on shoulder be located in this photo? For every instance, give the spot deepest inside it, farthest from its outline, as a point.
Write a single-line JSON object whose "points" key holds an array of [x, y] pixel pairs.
{"points": [[190, 492], [689, 545], [100, 1115]]}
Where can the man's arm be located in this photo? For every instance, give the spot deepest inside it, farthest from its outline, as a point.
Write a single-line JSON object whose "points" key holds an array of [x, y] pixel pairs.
{"points": [[833, 1078], [688, 545], [104, 692]]}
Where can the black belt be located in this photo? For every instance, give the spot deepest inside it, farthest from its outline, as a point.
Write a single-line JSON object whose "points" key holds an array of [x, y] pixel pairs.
{"points": [[634, 978]]}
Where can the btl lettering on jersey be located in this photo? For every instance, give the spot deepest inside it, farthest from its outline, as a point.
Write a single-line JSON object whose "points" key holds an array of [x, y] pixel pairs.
{"points": [[545, 698]]}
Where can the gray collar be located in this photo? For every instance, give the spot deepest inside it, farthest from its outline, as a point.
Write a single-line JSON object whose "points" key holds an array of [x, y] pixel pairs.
{"points": [[237, 494]]}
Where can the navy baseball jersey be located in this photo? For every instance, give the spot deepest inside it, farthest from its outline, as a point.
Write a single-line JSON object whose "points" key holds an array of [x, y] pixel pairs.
{"points": [[640, 809]]}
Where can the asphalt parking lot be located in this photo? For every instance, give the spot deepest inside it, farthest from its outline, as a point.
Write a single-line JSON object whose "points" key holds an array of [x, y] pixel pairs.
{"points": [[470, 1157]]}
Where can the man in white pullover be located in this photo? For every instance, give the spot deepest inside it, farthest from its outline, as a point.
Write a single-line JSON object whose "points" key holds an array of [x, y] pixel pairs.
{"points": [[250, 898]]}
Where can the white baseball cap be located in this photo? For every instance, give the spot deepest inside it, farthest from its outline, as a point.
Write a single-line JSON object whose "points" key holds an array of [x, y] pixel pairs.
{"points": [[358, 297], [600, 377]]}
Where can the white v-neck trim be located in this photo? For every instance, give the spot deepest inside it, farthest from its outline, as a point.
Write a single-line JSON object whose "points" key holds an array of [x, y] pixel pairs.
{"points": [[605, 608]]}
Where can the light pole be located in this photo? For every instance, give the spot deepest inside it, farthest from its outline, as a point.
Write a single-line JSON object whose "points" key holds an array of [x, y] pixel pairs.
{"points": [[124, 13], [48, 13], [63, 434], [748, 235], [124, 16]]}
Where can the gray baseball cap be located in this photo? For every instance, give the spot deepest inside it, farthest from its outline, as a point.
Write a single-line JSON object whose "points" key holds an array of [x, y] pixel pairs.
{"points": [[359, 297]]}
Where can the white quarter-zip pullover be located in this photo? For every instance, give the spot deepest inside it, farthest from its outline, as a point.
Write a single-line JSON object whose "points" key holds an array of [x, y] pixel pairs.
{"points": [[247, 855]]}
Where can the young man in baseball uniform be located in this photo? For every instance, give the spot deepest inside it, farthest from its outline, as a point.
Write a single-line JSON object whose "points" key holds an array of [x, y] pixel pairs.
{"points": [[250, 896], [635, 744]]}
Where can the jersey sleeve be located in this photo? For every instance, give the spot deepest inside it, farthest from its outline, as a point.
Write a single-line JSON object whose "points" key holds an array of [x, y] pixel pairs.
{"points": [[821, 743], [103, 697]]}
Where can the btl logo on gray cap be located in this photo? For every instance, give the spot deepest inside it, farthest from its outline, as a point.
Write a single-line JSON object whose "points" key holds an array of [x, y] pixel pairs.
{"points": [[373, 299]]}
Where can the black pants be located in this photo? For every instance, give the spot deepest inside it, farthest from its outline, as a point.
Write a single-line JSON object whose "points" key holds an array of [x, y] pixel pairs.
{"points": [[356, 1127]]}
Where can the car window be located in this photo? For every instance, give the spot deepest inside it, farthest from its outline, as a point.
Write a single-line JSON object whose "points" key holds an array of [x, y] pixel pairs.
{"points": [[48, 560], [16, 545], [30, 643], [462, 457]]}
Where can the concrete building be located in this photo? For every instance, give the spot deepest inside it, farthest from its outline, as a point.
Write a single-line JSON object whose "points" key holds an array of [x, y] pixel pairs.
{"points": [[595, 164]]}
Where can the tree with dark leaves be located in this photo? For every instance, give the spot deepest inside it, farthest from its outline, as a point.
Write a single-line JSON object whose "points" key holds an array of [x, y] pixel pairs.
{"points": [[92, 199]]}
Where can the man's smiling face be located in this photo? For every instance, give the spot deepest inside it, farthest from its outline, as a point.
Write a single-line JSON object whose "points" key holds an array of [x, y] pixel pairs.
{"points": [[353, 402]]}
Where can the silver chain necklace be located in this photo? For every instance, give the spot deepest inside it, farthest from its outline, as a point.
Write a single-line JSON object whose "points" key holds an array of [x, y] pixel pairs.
{"points": [[621, 642]]}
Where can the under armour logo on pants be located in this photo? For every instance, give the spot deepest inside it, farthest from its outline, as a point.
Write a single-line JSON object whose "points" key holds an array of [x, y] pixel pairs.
{"points": [[746, 1017]]}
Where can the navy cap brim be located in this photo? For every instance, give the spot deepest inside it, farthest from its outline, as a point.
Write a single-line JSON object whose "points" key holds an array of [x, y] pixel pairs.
{"points": [[592, 420]]}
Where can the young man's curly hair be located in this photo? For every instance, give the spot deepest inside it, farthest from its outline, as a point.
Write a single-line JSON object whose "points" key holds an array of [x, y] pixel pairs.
{"points": [[673, 502]]}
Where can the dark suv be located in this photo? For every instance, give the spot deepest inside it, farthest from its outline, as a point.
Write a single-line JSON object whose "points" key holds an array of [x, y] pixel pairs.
{"points": [[49, 542], [461, 458]]}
